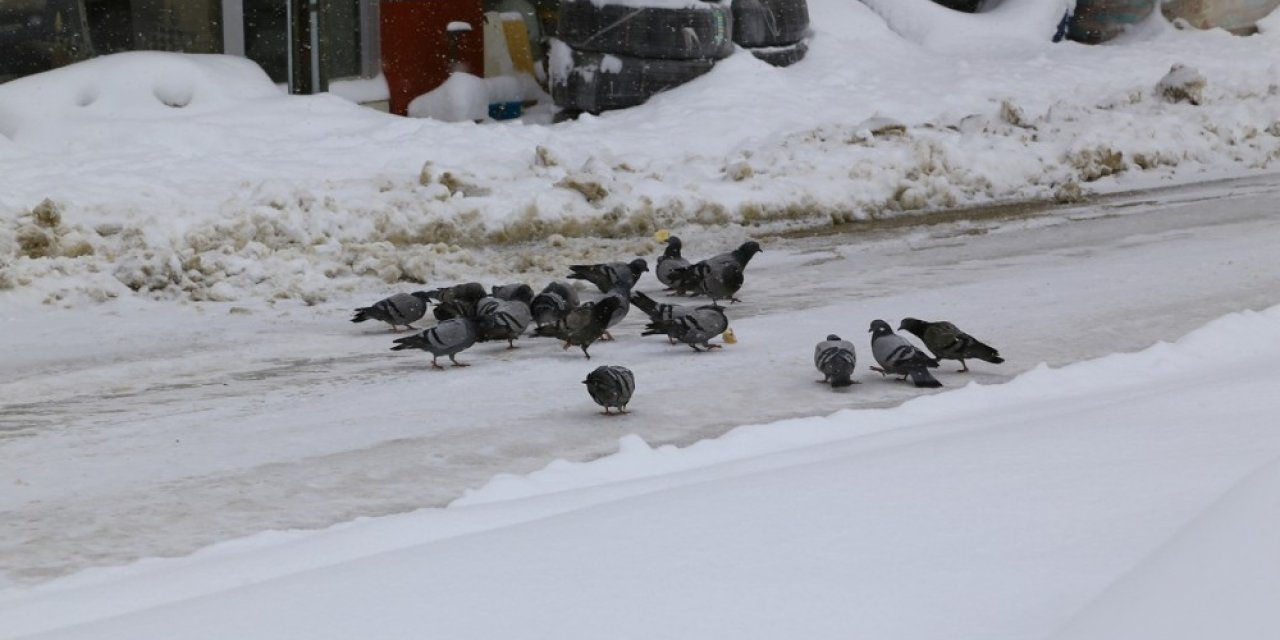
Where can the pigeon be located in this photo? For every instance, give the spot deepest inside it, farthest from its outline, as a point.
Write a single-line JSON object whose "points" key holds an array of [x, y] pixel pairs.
{"points": [[466, 296], [611, 386], [498, 319], [551, 305], [897, 357], [835, 359], [694, 328], [718, 277], [611, 274], [947, 342], [448, 338], [401, 309], [659, 311], [623, 296], [669, 262], [584, 324], [521, 292]]}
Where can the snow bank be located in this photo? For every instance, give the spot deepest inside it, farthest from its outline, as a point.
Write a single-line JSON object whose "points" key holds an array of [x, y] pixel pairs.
{"points": [[993, 512], [246, 192], [939, 28]]}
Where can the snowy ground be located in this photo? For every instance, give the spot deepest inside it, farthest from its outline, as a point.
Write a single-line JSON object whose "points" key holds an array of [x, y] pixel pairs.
{"points": [[139, 429], [1132, 496]]}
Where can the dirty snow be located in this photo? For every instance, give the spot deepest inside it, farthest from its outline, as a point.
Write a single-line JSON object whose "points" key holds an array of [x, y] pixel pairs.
{"points": [[194, 178]]}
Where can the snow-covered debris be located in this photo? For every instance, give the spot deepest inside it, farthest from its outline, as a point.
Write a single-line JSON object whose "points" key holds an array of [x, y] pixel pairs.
{"points": [[1182, 84]]}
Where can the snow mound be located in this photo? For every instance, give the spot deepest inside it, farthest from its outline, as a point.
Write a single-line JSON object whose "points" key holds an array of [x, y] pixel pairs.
{"points": [[939, 28], [133, 86]]}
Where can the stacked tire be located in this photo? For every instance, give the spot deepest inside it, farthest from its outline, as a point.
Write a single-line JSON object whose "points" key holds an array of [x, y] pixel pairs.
{"points": [[612, 56], [774, 31]]}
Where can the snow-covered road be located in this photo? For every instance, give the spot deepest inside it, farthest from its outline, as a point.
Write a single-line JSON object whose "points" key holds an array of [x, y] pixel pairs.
{"points": [[142, 429]]}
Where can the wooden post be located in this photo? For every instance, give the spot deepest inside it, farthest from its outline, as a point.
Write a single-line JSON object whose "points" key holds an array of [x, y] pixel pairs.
{"points": [[306, 72]]}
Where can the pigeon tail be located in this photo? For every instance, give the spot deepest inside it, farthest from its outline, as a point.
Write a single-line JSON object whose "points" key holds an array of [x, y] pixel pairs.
{"points": [[841, 380], [922, 378], [361, 315]]}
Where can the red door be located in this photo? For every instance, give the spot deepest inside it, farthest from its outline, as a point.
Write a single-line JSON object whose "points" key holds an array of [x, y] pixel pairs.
{"points": [[419, 50]]}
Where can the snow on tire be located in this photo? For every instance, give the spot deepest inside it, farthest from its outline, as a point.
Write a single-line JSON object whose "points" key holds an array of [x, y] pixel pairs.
{"points": [[782, 56], [769, 23], [592, 81], [700, 30]]}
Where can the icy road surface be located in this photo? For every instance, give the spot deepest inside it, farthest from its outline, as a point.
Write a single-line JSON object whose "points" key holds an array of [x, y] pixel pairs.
{"points": [[136, 429]]}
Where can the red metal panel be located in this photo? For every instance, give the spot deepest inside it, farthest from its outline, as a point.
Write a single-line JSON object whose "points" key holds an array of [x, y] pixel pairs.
{"points": [[417, 52]]}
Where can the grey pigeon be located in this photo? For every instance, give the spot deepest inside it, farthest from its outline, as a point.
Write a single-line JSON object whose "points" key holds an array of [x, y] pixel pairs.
{"points": [[611, 386], [835, 358], [694, 328], [669, 262], [518, 291], [465, 296], [584, 324], [401, 309], [659, 311], [898, 357], [610, 274], [623, 296], [498, 319], [553, 303], [947, 342], [718, 277], [448, 338]]}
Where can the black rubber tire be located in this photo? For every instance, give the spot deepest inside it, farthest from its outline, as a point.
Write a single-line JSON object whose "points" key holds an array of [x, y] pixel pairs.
{"points": [[592, 81], [967, 6], [704, 31], [782, 56], [769, 23]]}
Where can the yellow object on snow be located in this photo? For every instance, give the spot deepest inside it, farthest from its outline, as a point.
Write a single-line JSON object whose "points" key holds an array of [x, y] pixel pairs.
{"points": [[729, 338], [661, 235]]}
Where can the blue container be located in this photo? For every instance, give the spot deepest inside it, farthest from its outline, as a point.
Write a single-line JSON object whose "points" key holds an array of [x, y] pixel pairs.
{"points": [[506, 110]]}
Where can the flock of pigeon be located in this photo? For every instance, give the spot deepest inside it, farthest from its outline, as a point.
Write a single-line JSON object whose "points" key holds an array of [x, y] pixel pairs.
{"points": [[468, 313]]}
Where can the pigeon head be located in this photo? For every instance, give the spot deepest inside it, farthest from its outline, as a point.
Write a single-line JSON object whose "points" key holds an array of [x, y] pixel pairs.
{"points": [[833, 338], [912, 325], [638, 266], [518, 292], [673, 247], [748, 249], [880, 328]]}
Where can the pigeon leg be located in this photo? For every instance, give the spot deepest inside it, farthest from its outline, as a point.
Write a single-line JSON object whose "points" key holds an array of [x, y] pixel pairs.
{"points": [[964, 367], [584, 352], [695, 347], [622, 410], [435, 365], [879, 371], [567, 344], [733, 300], [511, 343], [606, 411], [456, 363], [606, 336], [710, 346]]}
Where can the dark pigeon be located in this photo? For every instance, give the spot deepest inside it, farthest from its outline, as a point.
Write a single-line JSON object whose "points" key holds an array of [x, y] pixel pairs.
{"points": [[947, 342]]}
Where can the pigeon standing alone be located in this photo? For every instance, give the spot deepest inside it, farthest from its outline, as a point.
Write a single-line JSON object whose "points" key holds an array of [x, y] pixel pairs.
{"points": [[401, 309], [610, 275], [835, 358], [948, 342], [718, 277], [669, 263], [448, 338], [897, 357], [694, 328], [611, 386]]}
